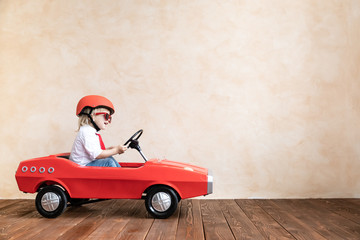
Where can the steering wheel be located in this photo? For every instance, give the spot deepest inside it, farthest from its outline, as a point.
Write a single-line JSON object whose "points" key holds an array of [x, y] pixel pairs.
{"points": [[134, 137], [134, 143]]}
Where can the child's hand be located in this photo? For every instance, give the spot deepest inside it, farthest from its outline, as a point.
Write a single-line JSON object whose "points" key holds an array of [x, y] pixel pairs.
{"points": [[121, 149]]}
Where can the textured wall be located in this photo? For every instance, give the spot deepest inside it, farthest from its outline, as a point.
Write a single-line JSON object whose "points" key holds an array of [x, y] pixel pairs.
{"points": [[265, 93]]}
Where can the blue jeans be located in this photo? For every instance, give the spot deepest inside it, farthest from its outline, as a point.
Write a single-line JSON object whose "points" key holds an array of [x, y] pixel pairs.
{"points": [[104, 162]]}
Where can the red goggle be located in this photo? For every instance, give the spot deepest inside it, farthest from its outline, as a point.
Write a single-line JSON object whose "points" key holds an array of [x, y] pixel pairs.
{"points": [[106, 116]]}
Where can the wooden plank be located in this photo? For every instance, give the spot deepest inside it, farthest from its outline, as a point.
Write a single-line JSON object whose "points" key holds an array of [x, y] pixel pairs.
{"points": [[17, 208], [90, 223], [317, 219], [39, 227], [215, 224], [190, 221], [115, 221], [43, 228], [294, 225], [4, 203], [347, 228], [139, 223], [343, 207], [164, 229], [266, 225], [14, 216], [194, 219], [22, 227], [354, 201], [239, 223]]}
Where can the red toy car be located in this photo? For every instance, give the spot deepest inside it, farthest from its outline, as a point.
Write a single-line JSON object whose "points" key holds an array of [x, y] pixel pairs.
{"points": [[161, 183]]}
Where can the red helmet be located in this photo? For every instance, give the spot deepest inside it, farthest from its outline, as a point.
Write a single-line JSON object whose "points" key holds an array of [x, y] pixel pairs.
{"points": [[94, 101]]}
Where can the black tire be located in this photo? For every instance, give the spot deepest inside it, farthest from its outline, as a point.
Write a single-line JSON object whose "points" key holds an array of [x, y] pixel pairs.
{"points": [[161, 202], [51, 201]]}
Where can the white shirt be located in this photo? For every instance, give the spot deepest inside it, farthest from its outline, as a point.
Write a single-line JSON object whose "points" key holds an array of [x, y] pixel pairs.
{"points": [[86, 146]]}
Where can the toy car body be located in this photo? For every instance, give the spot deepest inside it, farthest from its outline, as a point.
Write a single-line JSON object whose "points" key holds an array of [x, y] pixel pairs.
{"points": [[161, 183]]}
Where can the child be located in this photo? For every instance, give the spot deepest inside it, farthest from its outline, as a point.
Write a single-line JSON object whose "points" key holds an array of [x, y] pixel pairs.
{"points": [[94, 114]]}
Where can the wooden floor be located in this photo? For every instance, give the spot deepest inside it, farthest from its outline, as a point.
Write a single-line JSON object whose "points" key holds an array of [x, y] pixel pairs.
{"points": [[194, 219]]}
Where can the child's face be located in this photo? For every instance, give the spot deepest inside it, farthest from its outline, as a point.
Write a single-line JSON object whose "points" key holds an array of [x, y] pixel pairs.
{"points": [[100, 120]]}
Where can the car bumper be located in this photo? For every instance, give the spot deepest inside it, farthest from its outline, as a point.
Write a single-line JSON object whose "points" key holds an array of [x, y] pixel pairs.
{"points": [[210, 182]]}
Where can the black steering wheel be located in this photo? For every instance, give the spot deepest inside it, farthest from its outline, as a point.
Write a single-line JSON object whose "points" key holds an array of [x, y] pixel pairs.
{"points": [[134, 143], [134, 137]]}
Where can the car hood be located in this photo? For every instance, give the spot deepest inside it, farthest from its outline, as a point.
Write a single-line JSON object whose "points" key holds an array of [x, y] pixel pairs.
{"points": [[173, 164]]}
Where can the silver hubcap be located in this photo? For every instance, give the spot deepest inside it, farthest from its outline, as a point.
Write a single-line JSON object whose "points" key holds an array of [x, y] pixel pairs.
{"points": [[50, 201], [161, 201]]}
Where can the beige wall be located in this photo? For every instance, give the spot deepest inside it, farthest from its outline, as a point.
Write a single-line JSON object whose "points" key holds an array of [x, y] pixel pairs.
{"points": [[265, 93]]}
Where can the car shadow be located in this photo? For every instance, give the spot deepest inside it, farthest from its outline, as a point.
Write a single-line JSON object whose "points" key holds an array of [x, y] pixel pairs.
{"points": [[115, 208]]}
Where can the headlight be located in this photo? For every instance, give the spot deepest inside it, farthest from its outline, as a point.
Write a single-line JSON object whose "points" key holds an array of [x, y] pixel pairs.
{"points": [[210, 182]]}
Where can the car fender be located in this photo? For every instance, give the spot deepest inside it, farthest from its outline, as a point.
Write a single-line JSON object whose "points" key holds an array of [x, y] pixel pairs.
{"points": [[48, 182], [167, 184]]}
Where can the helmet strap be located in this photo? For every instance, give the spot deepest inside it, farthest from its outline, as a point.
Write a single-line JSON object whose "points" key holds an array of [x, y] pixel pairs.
{"points": [[92, 121]]}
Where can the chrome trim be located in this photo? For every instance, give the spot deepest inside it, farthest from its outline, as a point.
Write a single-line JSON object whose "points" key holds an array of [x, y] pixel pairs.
{"points": [[210, 180], [51, 170], [41, 170], [161, 201], [24, 168], [33, 169], [50, 201]]}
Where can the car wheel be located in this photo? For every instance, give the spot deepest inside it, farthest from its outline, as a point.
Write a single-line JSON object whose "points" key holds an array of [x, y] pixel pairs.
{"points": [[51, 201], [161, 202]]}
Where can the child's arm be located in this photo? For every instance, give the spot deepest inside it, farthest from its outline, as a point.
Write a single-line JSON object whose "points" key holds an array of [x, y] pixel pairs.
{"points": [[112, 151]]}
